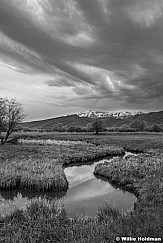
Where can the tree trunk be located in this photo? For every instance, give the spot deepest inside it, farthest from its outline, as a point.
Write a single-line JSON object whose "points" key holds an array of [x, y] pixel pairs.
{"points": [[6, 137], [2, 140]]}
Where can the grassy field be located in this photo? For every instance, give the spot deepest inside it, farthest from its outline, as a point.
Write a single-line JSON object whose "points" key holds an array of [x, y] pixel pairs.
{"points": [[64, 154], [38, 164], [45, 221], [136, 141]]}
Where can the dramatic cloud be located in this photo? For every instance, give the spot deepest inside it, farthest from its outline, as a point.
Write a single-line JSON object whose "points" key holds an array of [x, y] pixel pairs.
{"points": [[65, 56]]}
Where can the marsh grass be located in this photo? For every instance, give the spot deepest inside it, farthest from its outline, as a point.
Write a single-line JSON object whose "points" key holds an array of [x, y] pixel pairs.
{"points": [[78, 151], [45, 221], [129, 172], [9, 177], [92, 152], [136, 141], [38, 175], [48, 221], [141, 174], [39, 168], [51, 142], [65, 154]]}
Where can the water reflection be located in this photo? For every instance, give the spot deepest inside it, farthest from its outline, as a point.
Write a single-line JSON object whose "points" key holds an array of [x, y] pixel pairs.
{"points": [[85, 193], [10, 195], [18, 199], [8, 206]]}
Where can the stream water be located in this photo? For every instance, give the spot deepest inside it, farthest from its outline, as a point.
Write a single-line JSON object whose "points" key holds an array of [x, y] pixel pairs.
{"points": [[85, 193]]}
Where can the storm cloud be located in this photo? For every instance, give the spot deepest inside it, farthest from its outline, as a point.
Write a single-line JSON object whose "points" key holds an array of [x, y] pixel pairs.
{"points": [[73, 55]]}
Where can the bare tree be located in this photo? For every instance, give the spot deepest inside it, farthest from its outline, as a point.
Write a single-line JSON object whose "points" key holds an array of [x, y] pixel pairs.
{"points": [[11, 115], [98, 126], [2, 116]]}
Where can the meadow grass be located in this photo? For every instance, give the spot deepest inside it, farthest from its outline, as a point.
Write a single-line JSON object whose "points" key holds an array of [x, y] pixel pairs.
{"points": [[37, 164], [65, 154], [51, 142], [45, 221], [39, 175], [131, 141]]}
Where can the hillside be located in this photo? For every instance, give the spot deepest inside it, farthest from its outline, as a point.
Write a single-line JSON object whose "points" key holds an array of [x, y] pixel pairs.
{"points": [[64, 120], [69, 120], [152, 117]]}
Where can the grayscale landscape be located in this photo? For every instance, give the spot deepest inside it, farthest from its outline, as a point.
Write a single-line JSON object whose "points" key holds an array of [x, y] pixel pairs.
{"points": [[81, 121]]}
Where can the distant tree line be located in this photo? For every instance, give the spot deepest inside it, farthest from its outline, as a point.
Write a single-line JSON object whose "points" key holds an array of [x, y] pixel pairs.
{"points": [[98, 125], [137, 126]]}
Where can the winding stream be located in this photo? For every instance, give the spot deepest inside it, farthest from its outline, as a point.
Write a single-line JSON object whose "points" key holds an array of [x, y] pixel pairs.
{"points": [[85, 193]]}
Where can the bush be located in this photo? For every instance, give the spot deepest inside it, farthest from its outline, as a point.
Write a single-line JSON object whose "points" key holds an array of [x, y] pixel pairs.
{"points": [[156, 128], [126, 128], [112, 129], [138, 125]]}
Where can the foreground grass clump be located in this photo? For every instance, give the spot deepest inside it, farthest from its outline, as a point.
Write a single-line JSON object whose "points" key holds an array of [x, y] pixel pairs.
{"points": [[143, 175], [39, 175], [130, 172], [45, 221]]}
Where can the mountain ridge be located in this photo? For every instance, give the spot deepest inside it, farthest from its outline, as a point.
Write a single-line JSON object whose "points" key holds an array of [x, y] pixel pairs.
{"points": [[102, 114], [83, 121]]}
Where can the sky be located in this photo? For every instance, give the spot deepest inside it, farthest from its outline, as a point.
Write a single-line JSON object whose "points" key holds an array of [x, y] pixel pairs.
{"points": [[65, 56]]}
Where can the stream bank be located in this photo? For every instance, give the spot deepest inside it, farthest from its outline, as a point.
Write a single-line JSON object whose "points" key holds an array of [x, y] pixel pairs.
{"points": [[85, 194]]}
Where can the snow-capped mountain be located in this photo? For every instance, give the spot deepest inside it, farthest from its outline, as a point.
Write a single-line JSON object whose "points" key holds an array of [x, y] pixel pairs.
{"points": [[101, 114]]}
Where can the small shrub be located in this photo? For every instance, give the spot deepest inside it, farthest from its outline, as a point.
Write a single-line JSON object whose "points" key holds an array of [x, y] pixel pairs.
{"points": [[126, 128], [156, 128], [138, 125]]}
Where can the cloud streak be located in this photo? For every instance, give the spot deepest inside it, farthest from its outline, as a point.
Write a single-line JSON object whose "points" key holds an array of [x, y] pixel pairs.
{"points": [[103, 54]]}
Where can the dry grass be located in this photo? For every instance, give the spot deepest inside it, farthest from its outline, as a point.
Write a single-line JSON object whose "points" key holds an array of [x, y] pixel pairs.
{"points": [[38, 167], [130, 171], [135, 173], [49, 222], [51, 142], [66, 154], [137, 141], [39, 175], [45, 221]]}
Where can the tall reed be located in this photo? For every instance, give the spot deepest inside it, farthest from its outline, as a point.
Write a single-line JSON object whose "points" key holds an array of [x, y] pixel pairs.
{"points": [[38, 175]]}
